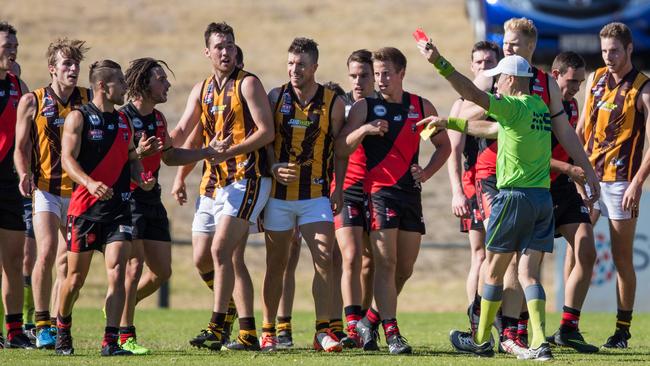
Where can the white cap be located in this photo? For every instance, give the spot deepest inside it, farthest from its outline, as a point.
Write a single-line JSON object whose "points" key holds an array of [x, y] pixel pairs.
{"points": [[511, 65]]}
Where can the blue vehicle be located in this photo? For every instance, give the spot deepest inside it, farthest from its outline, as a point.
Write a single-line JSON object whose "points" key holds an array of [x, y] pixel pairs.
{"points": [[565, 25]]}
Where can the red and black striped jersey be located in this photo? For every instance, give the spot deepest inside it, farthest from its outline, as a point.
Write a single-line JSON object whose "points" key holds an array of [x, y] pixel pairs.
{"points": [[389, 157], [10, 93], [104, 156], [149, 125]]}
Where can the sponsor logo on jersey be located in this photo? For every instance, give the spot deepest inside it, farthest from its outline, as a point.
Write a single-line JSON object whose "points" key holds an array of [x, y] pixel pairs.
{"points": [[94, 120], [318, 181], [137, 123], [126, 229], [602, 105], [218, 108], [150, 127], [122, 125], [397, 118], [299, 123], [159, 123], [111, 127], [126, 196], [96, 135], [58, 122], [380, 110]]}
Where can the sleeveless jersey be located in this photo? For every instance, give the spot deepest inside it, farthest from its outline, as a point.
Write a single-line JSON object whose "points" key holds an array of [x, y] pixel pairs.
{"points": [[486, 164], [558, 152], [10, 94], [225, 112], [104, 156], [47, 130], [357, 160], [303, 136], [389, 157], [614, 128], [149, 125]]}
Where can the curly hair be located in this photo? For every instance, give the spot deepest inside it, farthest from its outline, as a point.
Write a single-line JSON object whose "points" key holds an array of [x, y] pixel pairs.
{"points": [[138, 74]]}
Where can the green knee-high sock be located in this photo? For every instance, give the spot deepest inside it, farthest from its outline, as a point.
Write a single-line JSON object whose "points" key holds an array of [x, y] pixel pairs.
{"points": [[28, 300], [536, 301], [490, 304]]}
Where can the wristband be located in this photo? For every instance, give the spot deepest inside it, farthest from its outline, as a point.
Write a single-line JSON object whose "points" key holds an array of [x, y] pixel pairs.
{"points": [[443, 67], [457, 124]]}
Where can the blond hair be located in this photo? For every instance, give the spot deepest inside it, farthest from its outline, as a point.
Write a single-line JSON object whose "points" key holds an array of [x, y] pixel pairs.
{"points": [[524, 26], [618, 31], [71, 48]]}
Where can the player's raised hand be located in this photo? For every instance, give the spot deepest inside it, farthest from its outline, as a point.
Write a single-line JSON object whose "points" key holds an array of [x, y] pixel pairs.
{"points": [[147, 181], [148, 146], [431, 121]]}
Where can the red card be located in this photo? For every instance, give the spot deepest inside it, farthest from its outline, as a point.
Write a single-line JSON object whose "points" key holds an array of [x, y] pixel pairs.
{"points": [[419, 35]]}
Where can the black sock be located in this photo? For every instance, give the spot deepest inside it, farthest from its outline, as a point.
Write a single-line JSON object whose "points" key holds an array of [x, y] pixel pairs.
{"points": [[353, 310], [623, 320]]}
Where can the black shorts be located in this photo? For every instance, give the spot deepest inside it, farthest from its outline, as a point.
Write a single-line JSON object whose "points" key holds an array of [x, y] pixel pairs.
{"points": [[150, 222], [28, 217], [568, 207], [84, 235], [396, 210], [12, 214], [355, 209], [486, 191]]}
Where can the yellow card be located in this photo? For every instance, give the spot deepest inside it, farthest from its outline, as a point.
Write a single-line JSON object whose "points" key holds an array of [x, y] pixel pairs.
{"points": [[428, 131]]}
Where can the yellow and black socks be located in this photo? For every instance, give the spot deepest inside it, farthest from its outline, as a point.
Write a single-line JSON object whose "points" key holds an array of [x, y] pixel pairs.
{"points": [[216, 324], [490, 304], [336, 326], [269, 329], [43, 320], [536, 301], [247, 331], [208, 279], [322, 325], [284, 325], [623, 320]]}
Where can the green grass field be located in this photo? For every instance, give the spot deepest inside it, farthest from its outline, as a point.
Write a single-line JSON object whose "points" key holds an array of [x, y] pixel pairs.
{"points": [[167, 333]]}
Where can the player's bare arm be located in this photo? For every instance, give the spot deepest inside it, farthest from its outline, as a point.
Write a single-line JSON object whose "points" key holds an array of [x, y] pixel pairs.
{"points": [[23, 151], [70, 145], [340, 162], [258, 105], [632, 195], [459, 203], [178, 190], [282, 173], [356, 129], [443, 149], [569, 140], [190, 117], [580, 127]]}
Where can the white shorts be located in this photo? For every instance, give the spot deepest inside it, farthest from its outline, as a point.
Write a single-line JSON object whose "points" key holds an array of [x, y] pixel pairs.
{"points": [[48, 202], [244, 199], [282, 215], [610, 202]]}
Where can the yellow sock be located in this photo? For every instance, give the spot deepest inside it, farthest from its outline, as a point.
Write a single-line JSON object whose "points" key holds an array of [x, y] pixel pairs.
{"points": [[537, 312], [489, 310]]}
